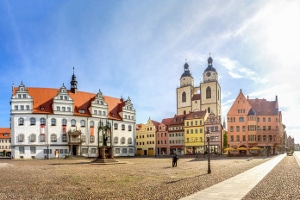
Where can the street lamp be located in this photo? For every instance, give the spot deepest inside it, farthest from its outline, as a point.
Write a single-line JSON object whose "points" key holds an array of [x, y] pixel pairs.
{"points": [[208, 157]]}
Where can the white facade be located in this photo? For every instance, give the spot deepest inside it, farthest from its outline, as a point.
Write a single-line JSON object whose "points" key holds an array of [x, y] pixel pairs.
{"points": [[60, 123]]}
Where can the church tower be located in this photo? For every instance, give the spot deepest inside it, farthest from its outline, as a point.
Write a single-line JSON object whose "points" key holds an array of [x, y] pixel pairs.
{"points": [[185, 92], [211, 90]]}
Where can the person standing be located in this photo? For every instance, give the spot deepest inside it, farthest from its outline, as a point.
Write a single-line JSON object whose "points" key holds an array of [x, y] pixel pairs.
{"points": [[174, 160]]}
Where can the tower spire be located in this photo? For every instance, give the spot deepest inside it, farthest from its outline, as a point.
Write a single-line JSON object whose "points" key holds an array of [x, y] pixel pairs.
{"points": [[73, 83]]}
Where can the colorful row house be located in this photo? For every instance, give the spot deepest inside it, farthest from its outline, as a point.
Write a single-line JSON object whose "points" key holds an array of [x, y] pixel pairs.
{"points": [[255, 126]]}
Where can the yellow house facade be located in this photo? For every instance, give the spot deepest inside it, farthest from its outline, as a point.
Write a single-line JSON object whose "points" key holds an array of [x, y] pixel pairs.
{"points": [[194, 132], [146, 138]]}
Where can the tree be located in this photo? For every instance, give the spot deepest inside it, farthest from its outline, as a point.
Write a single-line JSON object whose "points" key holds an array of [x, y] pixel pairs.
{"points": [[225, 140]]}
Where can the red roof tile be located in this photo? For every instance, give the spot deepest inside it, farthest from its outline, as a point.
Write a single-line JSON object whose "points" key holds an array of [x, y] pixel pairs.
{"points": [[4, 131], [43, 98]]}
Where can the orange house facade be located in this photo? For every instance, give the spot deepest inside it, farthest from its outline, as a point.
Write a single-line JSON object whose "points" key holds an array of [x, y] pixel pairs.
{"points": [[255, 126]]}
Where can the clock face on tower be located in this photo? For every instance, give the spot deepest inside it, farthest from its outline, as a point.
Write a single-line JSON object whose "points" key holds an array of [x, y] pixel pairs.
{"points": [[208, 74]]}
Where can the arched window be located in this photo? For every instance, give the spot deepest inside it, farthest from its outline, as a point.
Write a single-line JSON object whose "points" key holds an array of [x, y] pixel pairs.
{"points": [[183, 97], [21, 121], [116, 140], [53, 138], [208, 93], [64, 122], [82, 123], [32, 138], [123, 127], [43, 121], [53, 122], [122, 140], [115, 126], [129, 140], [32, 121], [92, 124], [208, 109], [73, 122], [129, 127]]}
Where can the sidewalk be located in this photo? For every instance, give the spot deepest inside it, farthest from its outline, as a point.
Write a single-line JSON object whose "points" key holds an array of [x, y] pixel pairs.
{"points": [[238, 186]]}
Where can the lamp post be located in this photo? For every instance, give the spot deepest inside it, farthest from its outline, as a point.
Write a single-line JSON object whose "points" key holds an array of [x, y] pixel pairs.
{"points": [[208, 157]]}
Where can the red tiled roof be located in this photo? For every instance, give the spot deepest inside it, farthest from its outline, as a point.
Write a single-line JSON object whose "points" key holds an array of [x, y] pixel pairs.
{"points": [[167, 121], [264, 107], [177, 119], [3, 131], [43, 97], [155, 123], [196, 97], [196, 115]]}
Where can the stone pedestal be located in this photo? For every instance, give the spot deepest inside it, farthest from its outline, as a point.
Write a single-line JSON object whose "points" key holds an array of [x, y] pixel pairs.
{"points": [[106, 155]]}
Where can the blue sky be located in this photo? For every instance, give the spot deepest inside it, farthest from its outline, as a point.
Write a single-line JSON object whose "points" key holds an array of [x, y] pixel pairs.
{"points": [[138, 49]]}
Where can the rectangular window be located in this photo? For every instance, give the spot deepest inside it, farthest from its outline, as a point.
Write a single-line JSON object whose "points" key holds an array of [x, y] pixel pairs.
{"points": [[117, 150], [42, 138], [64, 138], [237, 129], [47, 151], [22, 107], [237, 138], [21, 138], [93, 150], [231, 138], [84, 150], [21, 150], [244, 128], [231, 128], [92, 139], [244, 138], [32, 150], [27, 107], [269, 119]]}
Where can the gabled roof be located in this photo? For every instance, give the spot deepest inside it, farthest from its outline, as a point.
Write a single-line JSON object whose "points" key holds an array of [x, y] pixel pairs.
{"points": [[155, 123], [43, 100], [196, 115], [264, 107]]}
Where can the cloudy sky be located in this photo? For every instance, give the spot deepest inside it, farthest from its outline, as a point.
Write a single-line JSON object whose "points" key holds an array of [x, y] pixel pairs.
{"points": [[138, 49]]}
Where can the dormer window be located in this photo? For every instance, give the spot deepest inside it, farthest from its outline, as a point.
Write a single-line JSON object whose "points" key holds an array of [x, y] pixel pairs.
{"points": [[19, 96], [66, 97], [61, 97], [24, 96], [81, 111]]}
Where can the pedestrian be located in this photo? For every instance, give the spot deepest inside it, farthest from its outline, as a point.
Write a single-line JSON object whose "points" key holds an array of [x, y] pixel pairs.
{"points": [[174, 160]]}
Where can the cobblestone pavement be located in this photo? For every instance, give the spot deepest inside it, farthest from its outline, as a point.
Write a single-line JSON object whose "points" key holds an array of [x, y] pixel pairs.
{"points": [[283, 182], [139, 178]]}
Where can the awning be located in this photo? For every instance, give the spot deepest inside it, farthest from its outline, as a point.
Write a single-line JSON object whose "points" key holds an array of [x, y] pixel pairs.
{"points": [[254, 148], [229, 149], [242, 148]]}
